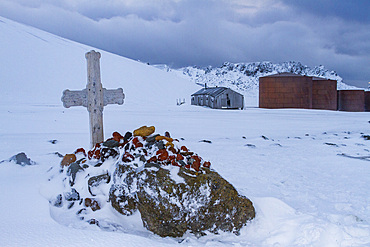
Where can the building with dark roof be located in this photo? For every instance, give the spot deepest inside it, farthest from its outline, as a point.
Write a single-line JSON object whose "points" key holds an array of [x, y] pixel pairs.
{"points": [[218, 98]]}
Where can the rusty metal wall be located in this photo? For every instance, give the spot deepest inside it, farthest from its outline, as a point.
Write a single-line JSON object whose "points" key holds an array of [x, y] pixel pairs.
{"points": [[285, 92], [351, 100], [367, 100], [324, 94]]}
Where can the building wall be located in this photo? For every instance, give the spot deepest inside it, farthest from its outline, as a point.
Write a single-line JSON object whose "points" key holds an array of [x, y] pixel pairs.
{"points": [[231, 99], [351, 100], [285, 92], [324, 94], [235, 100], [367, 100]]}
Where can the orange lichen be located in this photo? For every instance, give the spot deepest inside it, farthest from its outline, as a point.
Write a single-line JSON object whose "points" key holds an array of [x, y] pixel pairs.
{"points": [[68, 159], [80, 150], [137, 143], [162, 154], [207, 164], [159, 138], [117, 136]]}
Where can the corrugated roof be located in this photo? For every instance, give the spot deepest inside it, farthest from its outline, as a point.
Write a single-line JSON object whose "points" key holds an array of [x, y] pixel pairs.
{"points": [[212, 91]]}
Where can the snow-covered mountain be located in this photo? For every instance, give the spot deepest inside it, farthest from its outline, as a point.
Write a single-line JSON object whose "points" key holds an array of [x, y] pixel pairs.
{"points": [[243, 77]]}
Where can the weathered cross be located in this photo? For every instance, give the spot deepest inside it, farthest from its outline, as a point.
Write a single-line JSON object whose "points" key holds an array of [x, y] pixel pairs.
{"points": [[94, 97]]}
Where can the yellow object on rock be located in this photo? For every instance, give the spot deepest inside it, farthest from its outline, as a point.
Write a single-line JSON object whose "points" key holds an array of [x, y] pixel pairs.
{"points": [[169, 144], [144, 131], [159, 138]]}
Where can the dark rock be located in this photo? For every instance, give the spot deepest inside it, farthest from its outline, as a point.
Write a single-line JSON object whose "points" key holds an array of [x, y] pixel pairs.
{"points": [[71, 205], [149, 165], [160, 145], [151, 139], [207, 141], [53, 141], [111, 143], [96, 181], [92, 203], [127, 136], [366, 137], [59, 154], [72, 196], [98, 164], [22, 159], [265, 138], [167, 134], [93, 222], [58, 202], [250, 145], [276, 144], [331, 144], [182, 163], [105, 153], [72, 171]]}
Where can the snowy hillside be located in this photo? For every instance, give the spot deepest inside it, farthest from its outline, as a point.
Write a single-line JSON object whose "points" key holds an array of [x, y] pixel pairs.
{"points": [[306, 171], [44, 64], [243, 77]]}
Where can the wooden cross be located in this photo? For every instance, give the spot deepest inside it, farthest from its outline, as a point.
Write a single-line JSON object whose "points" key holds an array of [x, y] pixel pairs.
{"points": [[94, 97]]}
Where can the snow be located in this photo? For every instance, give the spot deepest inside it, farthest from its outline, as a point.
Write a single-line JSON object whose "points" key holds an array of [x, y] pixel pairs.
{"points": [[306, 193]]}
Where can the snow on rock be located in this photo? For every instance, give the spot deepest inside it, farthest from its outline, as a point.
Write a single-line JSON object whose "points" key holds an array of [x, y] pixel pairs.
{"points": [[173, 189]]}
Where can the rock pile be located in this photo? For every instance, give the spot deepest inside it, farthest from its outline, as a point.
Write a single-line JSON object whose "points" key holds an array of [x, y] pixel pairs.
{"points": [[174, 189]]}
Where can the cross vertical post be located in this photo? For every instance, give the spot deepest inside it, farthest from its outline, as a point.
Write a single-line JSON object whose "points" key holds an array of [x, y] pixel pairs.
{"points": [[95, 97]]}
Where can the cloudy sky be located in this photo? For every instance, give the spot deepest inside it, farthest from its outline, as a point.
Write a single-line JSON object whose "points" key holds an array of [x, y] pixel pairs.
{"points": [[333, 33]]}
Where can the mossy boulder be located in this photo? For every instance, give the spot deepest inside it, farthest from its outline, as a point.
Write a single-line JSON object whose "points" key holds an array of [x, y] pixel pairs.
{"points": [[174, 200]]}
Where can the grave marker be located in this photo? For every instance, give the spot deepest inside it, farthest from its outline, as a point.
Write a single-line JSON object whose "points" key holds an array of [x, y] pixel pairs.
{"points": [[94, 97]]}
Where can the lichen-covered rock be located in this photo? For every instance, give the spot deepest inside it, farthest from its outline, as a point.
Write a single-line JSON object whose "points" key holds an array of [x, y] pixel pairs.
{"points": [[194, 201], [172, 189]]}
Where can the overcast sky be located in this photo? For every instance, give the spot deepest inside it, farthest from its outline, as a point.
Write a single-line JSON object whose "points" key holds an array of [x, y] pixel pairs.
{"points": [[333, 33]]}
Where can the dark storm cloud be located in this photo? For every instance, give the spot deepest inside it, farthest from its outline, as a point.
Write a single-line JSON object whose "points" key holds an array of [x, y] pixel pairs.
{"points": [[349, 10], [210, 32]]}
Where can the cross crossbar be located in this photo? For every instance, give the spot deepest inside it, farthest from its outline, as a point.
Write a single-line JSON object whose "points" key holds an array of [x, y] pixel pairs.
{"points": [[94, 97]]}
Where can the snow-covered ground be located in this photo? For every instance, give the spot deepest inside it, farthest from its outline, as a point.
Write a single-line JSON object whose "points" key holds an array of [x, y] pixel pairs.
{"points": [[289, 162]]}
